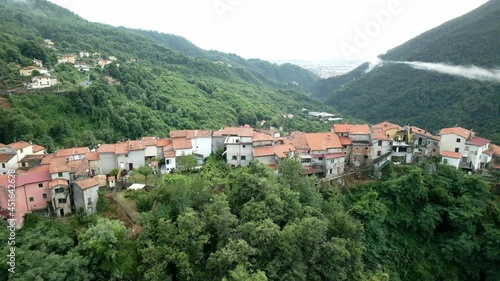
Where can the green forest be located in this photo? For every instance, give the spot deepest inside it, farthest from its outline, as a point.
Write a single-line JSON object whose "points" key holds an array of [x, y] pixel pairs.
{"points": [[247, 223], [403, 95], [162, 90]]}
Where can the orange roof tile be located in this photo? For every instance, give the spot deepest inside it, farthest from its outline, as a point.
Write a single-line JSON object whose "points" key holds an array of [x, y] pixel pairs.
{"points": [[181, 143], [257, 136], [72, 151], [387, 126], [87, 183], [5, 157], [340, 128], [106, 148], [417, 130], [299, 141], [92, 156], [379, 134], [459, 131], [451, 154], [495, 148], [47, 159], [345, 141], [169, 154], [280, 150], [79, 167], [323, 141], [163, 142], [121, 148], [37, 148], [489, 152], [19, 145], [57, 182], [149, 141], [190, 134], [59, 165], [235, 131], [359, 129], [136, 145]]}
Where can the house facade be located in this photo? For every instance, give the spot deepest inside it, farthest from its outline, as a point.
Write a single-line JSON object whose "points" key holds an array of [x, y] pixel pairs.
{"points": [[85, 195], [61, 197]]}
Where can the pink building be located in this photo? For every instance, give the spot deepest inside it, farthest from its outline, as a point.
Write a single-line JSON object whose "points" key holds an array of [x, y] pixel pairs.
{"points": [[32, 191]]}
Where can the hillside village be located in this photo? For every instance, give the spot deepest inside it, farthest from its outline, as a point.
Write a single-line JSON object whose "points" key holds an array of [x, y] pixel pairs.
{"points": [[70, 178], [84, 61]]}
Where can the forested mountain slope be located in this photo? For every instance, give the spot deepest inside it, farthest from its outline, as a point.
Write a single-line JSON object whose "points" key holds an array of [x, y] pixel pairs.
{"points": [[404, 95], [153, 88]]}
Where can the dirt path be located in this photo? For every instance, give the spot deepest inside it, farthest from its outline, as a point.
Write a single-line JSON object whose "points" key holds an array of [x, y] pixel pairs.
{"points": [[127, 205]]}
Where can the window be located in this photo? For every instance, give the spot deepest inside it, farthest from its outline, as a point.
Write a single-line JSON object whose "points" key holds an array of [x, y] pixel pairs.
{"points": [[457, 149], [332, 161], [21, 150], [40, 185], [237, 140], [344, 146], [357, 147], [305, 160], [32, 199], [321, 158], [331, 171], [59, 174], [379, 153], [126, 155], [458, 140], [243, 158], [234, 157], [244, 146], [466, 148], [3, 165], [59, 190], [89, 201], [44, 196], [168, 161], [379, 143], [23, 164], [366, 156], [366, 148], [61, 200], [434, 150]]}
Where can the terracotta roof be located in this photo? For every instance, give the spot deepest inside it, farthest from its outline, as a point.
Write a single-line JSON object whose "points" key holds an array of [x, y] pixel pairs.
{"points": [[136, 145], [340, 128], [169, 154], [359, 129], [257, 136], [477, 141], [181, 143], [5, 157], [92, 156], [121, 148], [72, 151], [37, 148], [79, 167], [345, 141], [379, 134], [57, 182], [18, 145], [334, 155], [87, 183], [279, 150], [47, 159], [451, 154], [495, 148], [488, 152], [163, 142], [323, 141], [59, 165], [459, 131], [149, 141], [190, 134], [387, 126], [245, 131], [299, 141], [417, 130], [106, 148], [352, 129]]}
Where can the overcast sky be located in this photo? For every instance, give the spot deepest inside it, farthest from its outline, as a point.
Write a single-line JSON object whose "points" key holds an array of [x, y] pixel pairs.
{"points": [[281, 29]]}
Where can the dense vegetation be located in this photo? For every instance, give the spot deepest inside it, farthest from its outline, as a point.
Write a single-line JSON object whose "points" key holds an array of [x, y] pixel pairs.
{"points": [[163, 90], [403, 95], [248, 223]]}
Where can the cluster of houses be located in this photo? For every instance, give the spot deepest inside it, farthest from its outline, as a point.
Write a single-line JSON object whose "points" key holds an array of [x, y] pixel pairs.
{"points": [[82, 62], [69, 179]]}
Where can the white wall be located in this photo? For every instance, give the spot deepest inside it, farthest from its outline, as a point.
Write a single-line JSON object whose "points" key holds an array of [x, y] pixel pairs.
{"points": [[449, 143], [137, 158], [65, 175], [451, 161], [202, 146], [107, 162], [150, 151], [170, 164], [9, 165]]}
